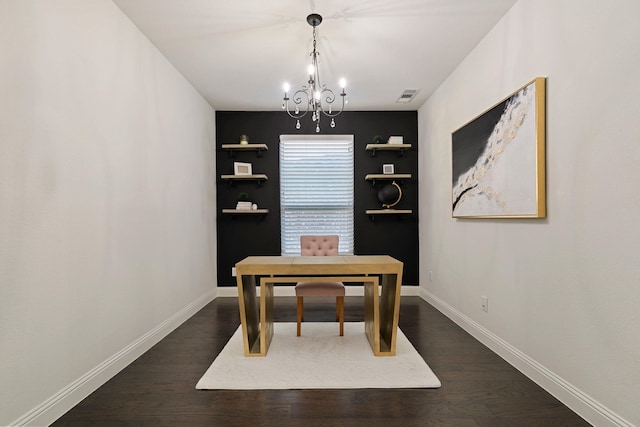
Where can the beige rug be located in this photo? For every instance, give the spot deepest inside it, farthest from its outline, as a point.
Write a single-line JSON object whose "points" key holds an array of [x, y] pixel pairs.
{"points": [[318, 359]]}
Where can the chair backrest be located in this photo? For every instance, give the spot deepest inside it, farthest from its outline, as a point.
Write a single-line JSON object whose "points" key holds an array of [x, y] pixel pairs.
{"points": [[318, 245]]}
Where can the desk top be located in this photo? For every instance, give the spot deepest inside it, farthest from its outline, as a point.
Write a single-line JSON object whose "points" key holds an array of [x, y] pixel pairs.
{"points": [[318, 265]]}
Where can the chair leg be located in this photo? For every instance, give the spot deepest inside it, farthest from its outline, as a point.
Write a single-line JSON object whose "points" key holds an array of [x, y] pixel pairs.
{"points": [[299, 312], [340, 308]]}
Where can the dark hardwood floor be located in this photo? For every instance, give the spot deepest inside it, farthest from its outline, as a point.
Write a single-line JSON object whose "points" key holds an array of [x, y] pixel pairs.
{"points": [[478, 387]]}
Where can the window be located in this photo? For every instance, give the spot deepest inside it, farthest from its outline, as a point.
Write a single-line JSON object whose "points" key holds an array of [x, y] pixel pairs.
{"points": [[316, 189]]}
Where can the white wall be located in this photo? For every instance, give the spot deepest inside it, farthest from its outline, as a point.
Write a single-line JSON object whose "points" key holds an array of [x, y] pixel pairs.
{"points": [[564, 292], [107, 201]]}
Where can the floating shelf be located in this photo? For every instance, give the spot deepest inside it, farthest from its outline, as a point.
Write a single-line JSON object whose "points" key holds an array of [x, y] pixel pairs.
{"points": [[245, 212], [373, 177], [401, 148], [373, 212], [388, 211], [259, 178], [232, 148], [249, 177]]}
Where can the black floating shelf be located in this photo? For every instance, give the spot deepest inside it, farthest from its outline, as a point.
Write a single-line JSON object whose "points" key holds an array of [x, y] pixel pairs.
{"points": [[234, 148], [400, 148]]}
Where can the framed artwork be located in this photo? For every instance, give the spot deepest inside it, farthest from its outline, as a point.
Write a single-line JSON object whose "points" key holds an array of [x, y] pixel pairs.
{"points": [[240, 168], [388, 169], [499, 159]]}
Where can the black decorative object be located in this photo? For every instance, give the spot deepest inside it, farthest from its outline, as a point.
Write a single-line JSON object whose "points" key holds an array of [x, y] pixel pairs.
{"points": [[390, 195]]}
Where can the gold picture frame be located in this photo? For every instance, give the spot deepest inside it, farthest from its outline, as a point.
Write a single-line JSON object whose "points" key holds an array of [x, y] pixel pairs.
{"points": [[498, 159]]}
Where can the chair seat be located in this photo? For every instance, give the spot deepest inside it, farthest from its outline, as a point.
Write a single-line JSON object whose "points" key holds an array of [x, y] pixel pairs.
{"points": [[317, 289]]}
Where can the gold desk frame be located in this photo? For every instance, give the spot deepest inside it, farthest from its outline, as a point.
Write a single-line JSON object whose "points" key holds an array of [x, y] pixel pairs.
{"points": [[381, 275]]}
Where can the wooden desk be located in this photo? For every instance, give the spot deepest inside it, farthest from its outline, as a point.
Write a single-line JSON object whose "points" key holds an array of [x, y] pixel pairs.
{"points": [[381, 309]]}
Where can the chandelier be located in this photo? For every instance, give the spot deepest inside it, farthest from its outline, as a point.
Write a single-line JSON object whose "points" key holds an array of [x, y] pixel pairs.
{"points": [[314, 97]]}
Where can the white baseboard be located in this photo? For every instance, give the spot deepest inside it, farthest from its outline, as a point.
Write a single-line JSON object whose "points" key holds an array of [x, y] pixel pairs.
{"points": [[581, 403], [288, 291], [58, 404]]}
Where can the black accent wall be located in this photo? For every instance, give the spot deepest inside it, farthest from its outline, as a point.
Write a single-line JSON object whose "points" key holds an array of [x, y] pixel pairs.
{"points": [[240, 236]]}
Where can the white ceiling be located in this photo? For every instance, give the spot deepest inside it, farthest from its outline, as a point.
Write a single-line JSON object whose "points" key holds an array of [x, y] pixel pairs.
{"points": [[238, 53]]}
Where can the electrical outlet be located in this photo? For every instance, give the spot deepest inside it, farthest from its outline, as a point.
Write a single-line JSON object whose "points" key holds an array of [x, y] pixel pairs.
{"points": [[485, 304], [233, 272]]}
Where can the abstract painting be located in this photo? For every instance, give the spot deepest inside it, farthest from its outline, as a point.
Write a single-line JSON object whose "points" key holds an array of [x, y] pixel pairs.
{"points": [[499, 159]]}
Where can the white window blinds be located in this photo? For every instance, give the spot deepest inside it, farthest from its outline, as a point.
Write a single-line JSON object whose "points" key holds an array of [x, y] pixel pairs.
{"points": [[316, 185]]}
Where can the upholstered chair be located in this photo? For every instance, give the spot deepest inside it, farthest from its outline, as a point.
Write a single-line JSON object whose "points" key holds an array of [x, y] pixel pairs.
{"points": [[320, 246]]}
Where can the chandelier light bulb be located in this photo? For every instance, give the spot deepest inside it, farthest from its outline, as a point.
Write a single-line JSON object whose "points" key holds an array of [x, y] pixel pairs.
{"points": [[316, 95], [343, 83], [286, 87], [310, 70]]}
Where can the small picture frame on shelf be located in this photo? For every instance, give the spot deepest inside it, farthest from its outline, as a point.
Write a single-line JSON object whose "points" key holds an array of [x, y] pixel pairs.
{"points": [[240, 168], [388, 169]]}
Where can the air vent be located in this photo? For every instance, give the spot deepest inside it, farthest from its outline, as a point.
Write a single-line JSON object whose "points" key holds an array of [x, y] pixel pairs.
{"points": [[407, 96]]}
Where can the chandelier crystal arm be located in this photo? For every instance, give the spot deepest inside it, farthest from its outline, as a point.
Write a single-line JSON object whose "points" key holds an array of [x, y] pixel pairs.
{"points": [[329, 97], [300, 97]]}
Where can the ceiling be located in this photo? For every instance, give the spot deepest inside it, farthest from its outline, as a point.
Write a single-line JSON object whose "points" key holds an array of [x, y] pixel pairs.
{"points": [[239, 53]]}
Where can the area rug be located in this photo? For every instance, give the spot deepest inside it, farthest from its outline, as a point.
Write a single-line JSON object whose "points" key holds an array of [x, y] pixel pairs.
{"points": [[318, 359]]}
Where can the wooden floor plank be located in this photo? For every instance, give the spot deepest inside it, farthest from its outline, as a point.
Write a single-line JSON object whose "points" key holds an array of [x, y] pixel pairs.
{"points": [[478, 387]]}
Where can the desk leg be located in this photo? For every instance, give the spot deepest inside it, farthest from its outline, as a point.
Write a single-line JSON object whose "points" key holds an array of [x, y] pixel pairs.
{"points": [[381, 313], [256, 314], [266, 314], [389, 313], [249, 313], [371, 314]]}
